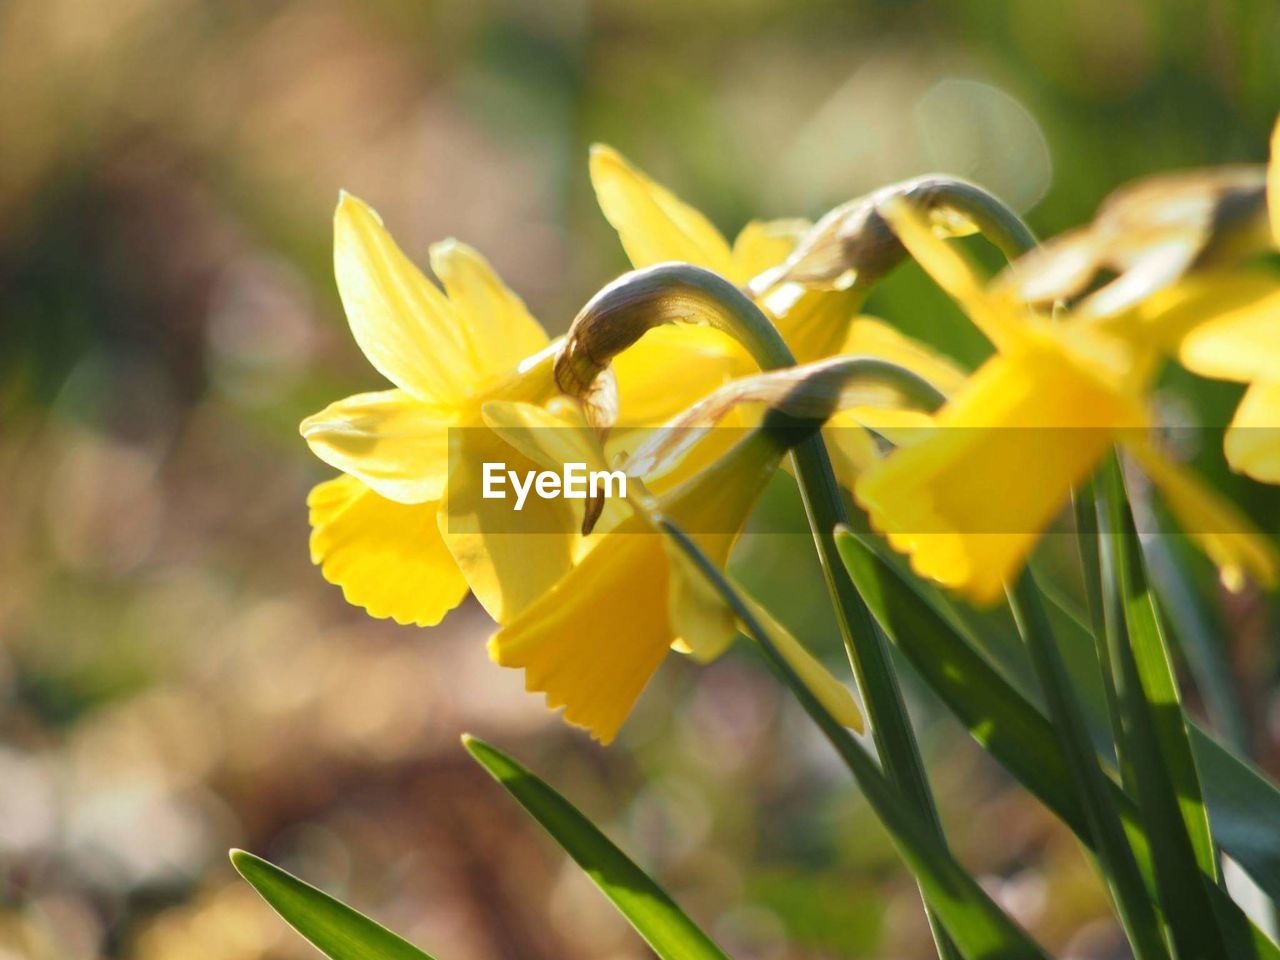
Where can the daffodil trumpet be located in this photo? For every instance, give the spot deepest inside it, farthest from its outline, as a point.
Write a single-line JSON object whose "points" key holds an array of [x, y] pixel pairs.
{"points": [[590, 647]]}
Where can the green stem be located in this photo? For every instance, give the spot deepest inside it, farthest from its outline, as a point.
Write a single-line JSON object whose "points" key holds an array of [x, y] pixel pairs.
{"points": [[1154, 733], [977, 923], [999, 225], [1112, 846], [1083, 502], [854, 243]]}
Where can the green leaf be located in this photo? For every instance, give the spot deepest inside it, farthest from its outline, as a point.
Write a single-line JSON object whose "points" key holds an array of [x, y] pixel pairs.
{"points": [[1154, 732], [1119, 866], [979, 929], [1244, 806], [333, 928], [655, 916], [1244, 809], [867, 650], [1197, 631]]}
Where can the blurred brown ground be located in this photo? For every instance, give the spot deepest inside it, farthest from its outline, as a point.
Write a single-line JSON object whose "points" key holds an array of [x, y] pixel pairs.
{"points": [[176, 679]]}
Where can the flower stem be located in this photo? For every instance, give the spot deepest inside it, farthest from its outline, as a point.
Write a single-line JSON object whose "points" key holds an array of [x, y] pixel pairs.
{"points": [[854, 243], [981, 926], [999, 225]]}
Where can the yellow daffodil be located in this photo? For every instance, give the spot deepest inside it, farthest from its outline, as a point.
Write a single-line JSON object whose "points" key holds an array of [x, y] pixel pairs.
{"points": [[592, 643], [1244, 346], [672, 366], [400, 538], [1150, 234], [1176, 243], [969, 501], [1226, 326]]}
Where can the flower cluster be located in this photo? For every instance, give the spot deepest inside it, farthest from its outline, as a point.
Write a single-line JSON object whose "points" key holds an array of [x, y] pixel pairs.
{"points": [[588, 598]]}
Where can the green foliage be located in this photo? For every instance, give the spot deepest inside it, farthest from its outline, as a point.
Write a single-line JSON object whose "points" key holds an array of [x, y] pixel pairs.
{"points": [[976, 926], [1243, 805], [655, 916], [335, 929]]}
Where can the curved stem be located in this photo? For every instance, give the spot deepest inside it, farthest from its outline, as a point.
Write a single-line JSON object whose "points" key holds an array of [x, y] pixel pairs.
{"points": [[979, 924], [854, 243], [995, 221], [636, 302]]}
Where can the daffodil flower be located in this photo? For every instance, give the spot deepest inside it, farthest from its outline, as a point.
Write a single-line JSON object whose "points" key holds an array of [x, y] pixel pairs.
{"points": [[673, 366], [401, 537], [1149, 234], [969, 501], [1177, 242], [1243, 344], [592, 643], [1224, 325]]}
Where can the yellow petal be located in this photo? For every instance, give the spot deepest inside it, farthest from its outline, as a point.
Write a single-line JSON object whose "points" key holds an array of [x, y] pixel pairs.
{"points": [[718, 499], [831, 693], [711, 508], [510, 558], [1240, 340], [593, 642], [853, 450], [699, 616], [670, 368], [1273, 184], [814, 323], [969, 501], [554, 437], [870, 337], [995, 315], [1224, 533], [387, 557], [1252, 443], [654, 225], [403, 323], [395, 443], [762, 245], [500, 330], [548, 438]]}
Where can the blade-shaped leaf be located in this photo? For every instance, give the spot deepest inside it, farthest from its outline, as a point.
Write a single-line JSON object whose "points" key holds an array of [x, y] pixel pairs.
{"points": [[335, 929], [655, 916], [1120, 868], [1154, 731], [868, 651], [1244, 808], [979, 929], [1244, 805], [1197, 631]]}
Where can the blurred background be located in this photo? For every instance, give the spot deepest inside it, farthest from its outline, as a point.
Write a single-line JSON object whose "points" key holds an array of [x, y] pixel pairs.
{"points": [[175, 677]]}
